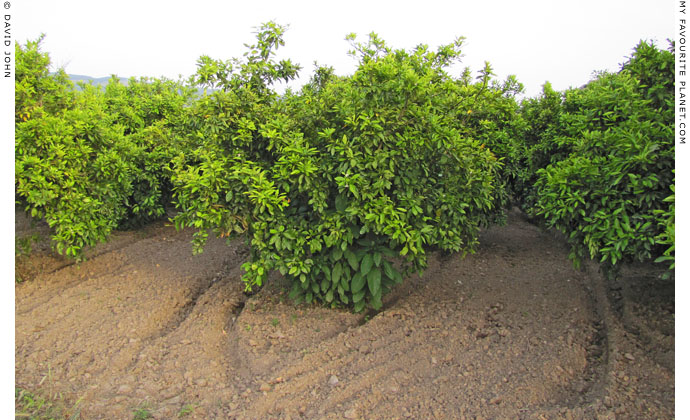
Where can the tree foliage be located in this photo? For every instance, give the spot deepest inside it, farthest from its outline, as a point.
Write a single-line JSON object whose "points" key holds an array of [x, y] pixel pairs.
{"points": [[610, 173], [346, 185], [334, 182], [90, 161]]}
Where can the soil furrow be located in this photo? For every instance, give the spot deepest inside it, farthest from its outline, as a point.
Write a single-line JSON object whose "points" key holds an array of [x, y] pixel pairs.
{"points": [[512, 331]]}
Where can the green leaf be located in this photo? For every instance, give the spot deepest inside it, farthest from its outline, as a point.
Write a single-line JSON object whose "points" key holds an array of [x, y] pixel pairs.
{"points": [[397, 277], [388, 270], [345, 283], [356, 297], [360, 305], [374, 281], [377, 259], [358, 281], [389, 252], [367, 262], [336, 273], [376, 301], [352, 259], [344, 298]]}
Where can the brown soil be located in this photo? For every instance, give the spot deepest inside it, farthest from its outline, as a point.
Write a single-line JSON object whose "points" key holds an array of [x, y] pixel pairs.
{"points": [[513, 331]]}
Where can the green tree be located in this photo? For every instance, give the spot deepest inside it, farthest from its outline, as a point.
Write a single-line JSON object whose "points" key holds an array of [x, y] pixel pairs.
{"points": [[332, 184], [91, 161], [614, 175], [37, 91]]}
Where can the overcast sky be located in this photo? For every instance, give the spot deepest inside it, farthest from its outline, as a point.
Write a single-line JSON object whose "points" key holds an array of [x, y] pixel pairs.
{"points": [[559, 41]]}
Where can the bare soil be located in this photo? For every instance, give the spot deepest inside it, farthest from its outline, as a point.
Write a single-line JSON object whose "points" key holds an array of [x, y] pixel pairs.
{"points": [[513, 331]]}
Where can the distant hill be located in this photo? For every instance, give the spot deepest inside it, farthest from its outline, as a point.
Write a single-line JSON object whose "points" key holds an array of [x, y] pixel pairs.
{"points": [[103, 81], [96, 81]]}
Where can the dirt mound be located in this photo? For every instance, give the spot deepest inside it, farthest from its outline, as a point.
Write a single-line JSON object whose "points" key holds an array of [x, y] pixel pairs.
{"points": [[513, 331]]}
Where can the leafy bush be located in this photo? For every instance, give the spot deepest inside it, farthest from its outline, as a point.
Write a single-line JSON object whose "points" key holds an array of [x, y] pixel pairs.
{"points": [[36, 90], [667, 236], [226, 152], [607, 193], [150, 111], [488, 112], [541, 143], [90, 161], [333, 183], [345, 185], [69, 169]]}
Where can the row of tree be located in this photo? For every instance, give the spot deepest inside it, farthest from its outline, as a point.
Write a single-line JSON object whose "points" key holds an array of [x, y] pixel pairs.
{"points": [[347, 184]]}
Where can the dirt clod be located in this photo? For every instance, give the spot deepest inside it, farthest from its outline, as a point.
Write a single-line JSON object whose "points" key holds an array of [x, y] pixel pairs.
{"points": [[350, 414], [124, 389]]}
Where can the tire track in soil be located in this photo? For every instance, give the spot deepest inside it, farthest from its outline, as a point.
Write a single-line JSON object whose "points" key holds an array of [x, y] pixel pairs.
{"points": [[44, 264], [438, 334], [512, 331], [96, 335]]}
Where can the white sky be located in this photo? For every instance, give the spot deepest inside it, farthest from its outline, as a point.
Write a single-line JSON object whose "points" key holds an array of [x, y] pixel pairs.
{"points": [[559, 41]]}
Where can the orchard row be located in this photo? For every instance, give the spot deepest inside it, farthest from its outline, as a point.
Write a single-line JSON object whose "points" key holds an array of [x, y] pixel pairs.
{"points": [[347, 184]]}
